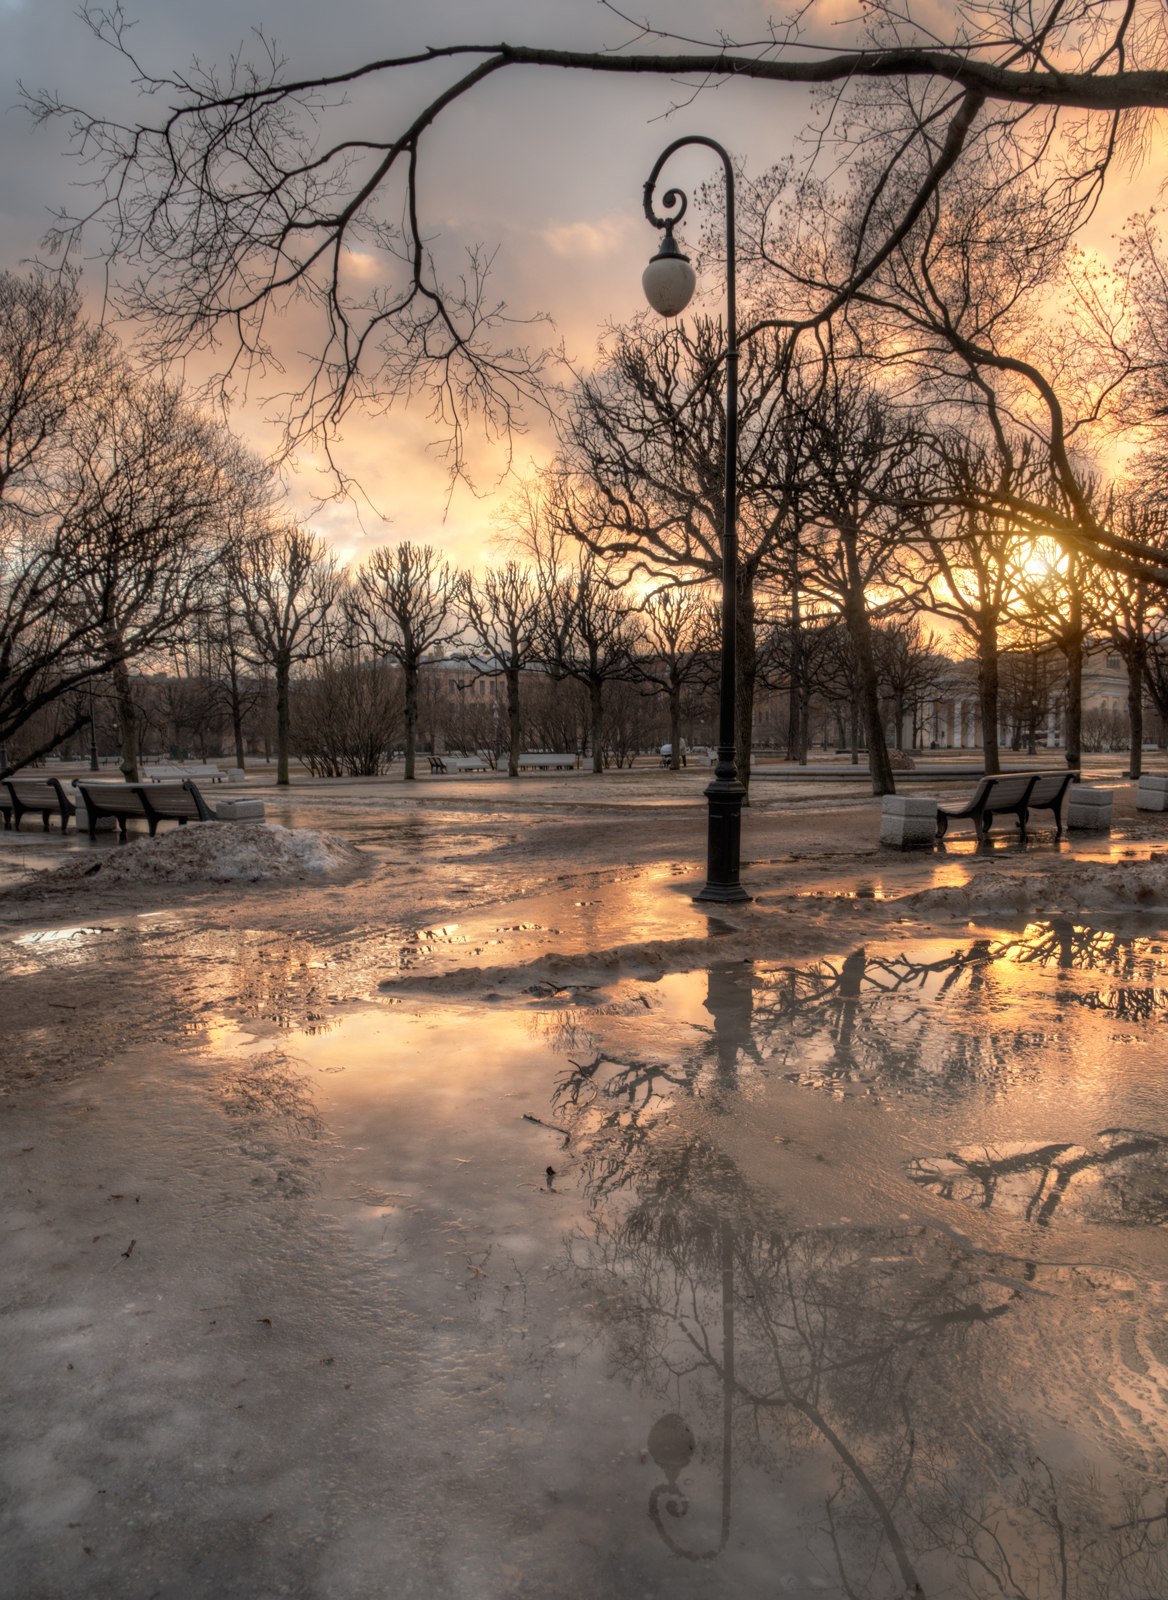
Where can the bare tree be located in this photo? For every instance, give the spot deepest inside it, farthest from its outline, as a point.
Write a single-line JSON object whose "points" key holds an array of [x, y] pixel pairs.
{"points": [[973, 552], [403, 600], [288, 586], [51, 365], [1129, 612], [502, 610], [910, 667], [858, 505], [253, 188], [676, 645], [643, 461], [586, 634]]}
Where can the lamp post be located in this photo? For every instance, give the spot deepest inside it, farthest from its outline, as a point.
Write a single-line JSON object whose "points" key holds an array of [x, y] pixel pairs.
{"points": [[669, 283]]}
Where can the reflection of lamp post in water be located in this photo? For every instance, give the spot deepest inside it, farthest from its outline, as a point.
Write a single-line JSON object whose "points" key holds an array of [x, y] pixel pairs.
{"points": [[671, 1442]]}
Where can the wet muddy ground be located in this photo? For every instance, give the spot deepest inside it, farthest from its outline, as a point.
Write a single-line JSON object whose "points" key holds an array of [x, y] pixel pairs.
{"points": [[492, 1221]]}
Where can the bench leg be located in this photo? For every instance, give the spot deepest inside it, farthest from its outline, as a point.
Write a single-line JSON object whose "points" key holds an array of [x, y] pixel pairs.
{"points": [[152, 824], [1023, 818], [45, 815]]}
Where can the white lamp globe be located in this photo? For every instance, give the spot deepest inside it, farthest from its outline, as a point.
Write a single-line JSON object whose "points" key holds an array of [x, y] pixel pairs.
{"points": [[669, 280]]}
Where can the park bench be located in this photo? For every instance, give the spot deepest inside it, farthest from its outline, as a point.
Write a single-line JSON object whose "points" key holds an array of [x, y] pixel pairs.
{"points": [[18, 795], [459, 764], [206, 771], [178, 802], [541, 761], [1012, 794]]}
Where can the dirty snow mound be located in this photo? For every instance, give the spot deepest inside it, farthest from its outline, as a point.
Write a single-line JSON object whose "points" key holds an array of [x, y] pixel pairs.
{"points": [[217, 853], [1085, 886]]}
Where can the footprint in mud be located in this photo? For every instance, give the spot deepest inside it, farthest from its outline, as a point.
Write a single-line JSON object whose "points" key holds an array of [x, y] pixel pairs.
{"points": [[1123, 1180]]}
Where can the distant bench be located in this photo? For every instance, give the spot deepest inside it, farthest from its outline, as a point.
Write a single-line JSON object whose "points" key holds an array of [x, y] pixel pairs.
{"points": [[1011, 794], [459, 764], [18, 795], [171, 772], [158, 802], [541, 761]]}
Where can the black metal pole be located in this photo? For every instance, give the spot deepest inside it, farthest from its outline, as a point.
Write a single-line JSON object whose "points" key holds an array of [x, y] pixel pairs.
{"points": [[726, 793]]}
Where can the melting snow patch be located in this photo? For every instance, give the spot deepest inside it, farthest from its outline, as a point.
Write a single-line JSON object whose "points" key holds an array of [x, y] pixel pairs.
{"points": [[211, 852], [1095, 886]]}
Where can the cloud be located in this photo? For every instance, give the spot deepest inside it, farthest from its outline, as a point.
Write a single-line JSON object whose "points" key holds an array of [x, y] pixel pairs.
{"points": [[603, 238]]}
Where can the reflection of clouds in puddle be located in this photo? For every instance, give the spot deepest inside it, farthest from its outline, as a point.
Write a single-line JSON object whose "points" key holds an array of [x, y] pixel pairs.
{"points": [[46, 946], [895, 1402]]}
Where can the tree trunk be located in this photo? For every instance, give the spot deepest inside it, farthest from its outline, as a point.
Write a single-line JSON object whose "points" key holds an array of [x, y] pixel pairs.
{"points": [[860, 632], [804, 744], [1074, 655], [794, 698], [675, 721], [127, 721], [236, 702], [283, 719], [237, 731], [987, 687], [410, 676], [596, 706], [514, 726], [1135, 706]]}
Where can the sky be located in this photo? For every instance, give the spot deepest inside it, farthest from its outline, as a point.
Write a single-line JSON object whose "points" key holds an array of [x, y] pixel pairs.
{"points": [[546, 167]]}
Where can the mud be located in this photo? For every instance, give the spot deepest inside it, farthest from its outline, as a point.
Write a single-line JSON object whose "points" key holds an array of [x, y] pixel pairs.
{"points": [[483, 1218]]}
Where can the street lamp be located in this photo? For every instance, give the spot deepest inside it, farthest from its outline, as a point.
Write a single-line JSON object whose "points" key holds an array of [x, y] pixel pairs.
{"points": [[669, 282]]}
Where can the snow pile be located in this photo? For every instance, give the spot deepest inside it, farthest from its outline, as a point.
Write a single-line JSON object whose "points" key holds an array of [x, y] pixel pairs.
{"points": [[1081, 886], [212, 852]]}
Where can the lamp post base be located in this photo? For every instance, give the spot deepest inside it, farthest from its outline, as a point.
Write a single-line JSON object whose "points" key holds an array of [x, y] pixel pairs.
{"points": [[725, 796]]}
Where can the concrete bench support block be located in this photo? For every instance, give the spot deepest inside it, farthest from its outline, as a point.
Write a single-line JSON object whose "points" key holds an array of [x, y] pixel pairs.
{"points": [[236, 775], [1088, 810], [907, 821], [240, 810], [1152, 794]]}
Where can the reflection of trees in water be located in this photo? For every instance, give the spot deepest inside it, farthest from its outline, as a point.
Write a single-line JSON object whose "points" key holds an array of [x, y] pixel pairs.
{"points": [[879, 1382], [279, 981], [878, 1021], [1034, 1180], [617, 1100], [867, 1361]]}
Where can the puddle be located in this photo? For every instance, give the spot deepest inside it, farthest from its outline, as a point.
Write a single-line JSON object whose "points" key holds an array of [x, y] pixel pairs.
{"points": [[780, 1337], [841, 1278]]}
